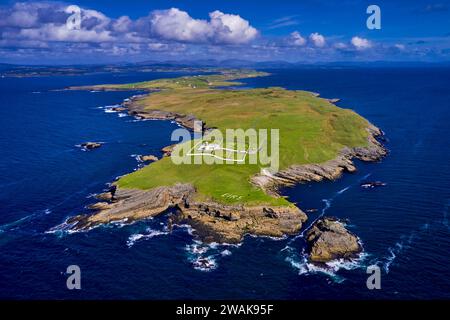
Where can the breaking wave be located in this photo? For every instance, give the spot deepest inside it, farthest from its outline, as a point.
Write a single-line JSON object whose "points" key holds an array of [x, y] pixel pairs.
{"points": [[204, 256], [149, 233], [404, 243], [301, 263]]}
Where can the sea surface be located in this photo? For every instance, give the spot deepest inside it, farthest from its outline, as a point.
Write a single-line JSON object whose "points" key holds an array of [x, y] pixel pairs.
{"points": [[45, 178]]}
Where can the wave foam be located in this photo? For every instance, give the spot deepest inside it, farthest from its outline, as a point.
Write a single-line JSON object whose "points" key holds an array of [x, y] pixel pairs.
{"points": [[204, 256], [305, 267], [150, 233]]}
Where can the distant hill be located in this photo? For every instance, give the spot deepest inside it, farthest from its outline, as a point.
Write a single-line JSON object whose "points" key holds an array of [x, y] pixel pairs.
{"points": [[202, 65]]}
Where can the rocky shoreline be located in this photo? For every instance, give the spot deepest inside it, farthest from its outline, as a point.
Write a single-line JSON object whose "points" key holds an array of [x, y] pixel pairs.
{"points": [[136, 109], [212, 221], [330, 170]]}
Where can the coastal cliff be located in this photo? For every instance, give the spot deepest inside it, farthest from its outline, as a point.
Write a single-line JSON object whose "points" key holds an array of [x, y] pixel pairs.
{"points": [[212, 221], [329, 170]]}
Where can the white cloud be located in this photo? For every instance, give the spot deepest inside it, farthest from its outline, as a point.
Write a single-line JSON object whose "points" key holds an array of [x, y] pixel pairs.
{"points": [[40, 27], [317, 39], [122, 24], [52, 32], [174, 24], [231, 28], [46, 21], [361, 43], [296, 39]]}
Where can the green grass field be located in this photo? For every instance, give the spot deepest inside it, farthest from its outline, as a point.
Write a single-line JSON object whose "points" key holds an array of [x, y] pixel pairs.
{"points": [[311, 130]]}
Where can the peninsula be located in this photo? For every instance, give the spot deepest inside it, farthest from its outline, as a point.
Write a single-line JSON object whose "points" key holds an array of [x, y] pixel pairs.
{"points": [[318, 140]]}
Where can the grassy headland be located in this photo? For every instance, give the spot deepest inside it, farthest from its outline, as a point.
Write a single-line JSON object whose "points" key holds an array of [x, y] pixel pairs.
{"points": [[312, 130], [224, 202]]}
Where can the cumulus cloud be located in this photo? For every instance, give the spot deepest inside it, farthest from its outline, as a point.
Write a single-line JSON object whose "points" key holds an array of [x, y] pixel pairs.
{"points": [[231, 28], [40, 27], [174, 24], [28, 15], [46, 22], [317, 39], [361, 43], [44, 25], [52, 32], [296, 39], [122, 24]]}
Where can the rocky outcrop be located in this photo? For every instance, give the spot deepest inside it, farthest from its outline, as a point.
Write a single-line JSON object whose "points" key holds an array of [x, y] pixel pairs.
{"points": [[133, 204], [118, 109], [167, 150], [90, 145], [328, 239], [105, 196], [186, 121], [213, 222], [216, 222], [330, 170], [138, 109], [148, 158]]}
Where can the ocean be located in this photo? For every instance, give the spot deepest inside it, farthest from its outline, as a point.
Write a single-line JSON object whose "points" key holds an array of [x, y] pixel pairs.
{"points": [[45, 178]]}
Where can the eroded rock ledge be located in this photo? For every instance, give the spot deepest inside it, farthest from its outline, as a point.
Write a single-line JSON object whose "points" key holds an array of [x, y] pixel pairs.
{"points": [[135, 108], [328, 239], [330, 170], [212, 221]]}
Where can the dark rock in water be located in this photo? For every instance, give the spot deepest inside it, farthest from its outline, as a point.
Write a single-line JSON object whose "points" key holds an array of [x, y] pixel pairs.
{"points": [[91, 145], [118, 109], [328, 239], [170, 222], [203, 263], [372, 184]]}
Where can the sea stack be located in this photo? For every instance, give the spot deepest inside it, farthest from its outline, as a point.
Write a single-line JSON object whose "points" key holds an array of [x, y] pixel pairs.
{"points": [[328, 239]]}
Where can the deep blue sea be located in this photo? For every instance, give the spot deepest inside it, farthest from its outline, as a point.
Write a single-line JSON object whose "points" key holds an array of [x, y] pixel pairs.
{"points": [[45, 178]]}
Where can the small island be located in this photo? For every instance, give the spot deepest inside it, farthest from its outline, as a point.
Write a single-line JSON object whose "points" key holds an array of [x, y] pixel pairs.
{"points": [[318, 140]]}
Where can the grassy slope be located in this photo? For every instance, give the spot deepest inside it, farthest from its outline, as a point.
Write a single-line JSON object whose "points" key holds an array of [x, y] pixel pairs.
{"points": [[312, 130]]}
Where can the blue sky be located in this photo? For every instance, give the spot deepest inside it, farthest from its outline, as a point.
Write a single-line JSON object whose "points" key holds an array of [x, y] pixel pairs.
{"points": [[307, 31]]}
